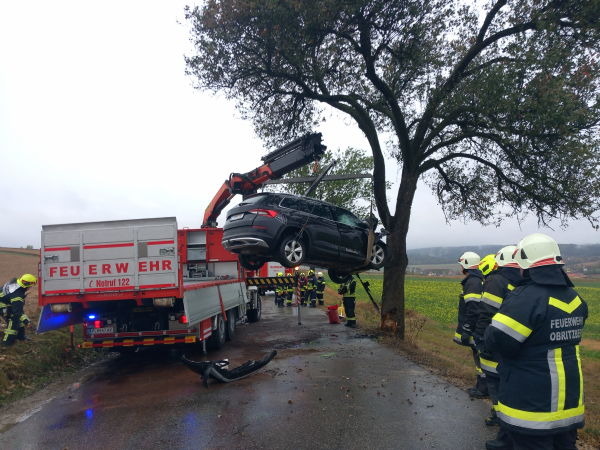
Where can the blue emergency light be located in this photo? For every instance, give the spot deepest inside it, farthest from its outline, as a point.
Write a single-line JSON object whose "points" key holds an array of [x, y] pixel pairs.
{"points": [[92, 316]]}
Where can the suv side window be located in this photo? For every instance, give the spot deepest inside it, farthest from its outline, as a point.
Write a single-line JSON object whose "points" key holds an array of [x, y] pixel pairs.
{"points": [[318, 209], [289, 202], [346, 217]]}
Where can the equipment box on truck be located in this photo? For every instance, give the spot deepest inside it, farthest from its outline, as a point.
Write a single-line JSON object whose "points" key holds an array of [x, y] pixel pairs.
{"points": [[142, 282]]}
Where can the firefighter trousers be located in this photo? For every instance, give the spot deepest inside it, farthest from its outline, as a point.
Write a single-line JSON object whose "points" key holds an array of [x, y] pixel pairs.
{"points": [[561, 441], [349, 306], [320, 298], [14, 330]]}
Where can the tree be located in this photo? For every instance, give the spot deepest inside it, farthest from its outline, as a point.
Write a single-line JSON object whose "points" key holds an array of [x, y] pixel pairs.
{"points": [[350, 194], [496, 109]]}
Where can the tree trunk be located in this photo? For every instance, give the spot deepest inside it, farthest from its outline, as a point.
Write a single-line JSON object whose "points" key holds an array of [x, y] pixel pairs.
{"points": [[392, 303]]}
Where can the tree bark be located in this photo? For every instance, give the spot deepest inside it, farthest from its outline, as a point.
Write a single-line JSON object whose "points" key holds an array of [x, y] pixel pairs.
{"points": [[392, 304]]}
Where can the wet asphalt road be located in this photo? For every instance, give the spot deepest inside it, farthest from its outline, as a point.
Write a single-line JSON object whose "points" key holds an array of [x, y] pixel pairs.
{"points": [[328, 388]]}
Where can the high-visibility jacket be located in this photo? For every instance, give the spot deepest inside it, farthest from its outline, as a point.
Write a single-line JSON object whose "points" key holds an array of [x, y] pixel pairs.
{"points": [[350, 288], [537, 333], [13, 295], [321, 284], [468, 305], [311, 282], [498, 284], [302, 282]]}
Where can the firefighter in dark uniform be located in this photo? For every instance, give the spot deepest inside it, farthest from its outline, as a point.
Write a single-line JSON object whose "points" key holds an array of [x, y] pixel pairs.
{"points": [[468, 313], [537, 332], [347, 290], [302, 289], [289, 293], [279, 292], [320, 288], [13, 295], [311, 288], [500, 279]]}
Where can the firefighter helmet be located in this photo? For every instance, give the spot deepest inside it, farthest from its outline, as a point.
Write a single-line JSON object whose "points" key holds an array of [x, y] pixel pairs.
{"points": [[504, 257], [280, 274], [27, 280], [311, 272], [537, 250], [469, 260], [320, 274], [487, 264]]}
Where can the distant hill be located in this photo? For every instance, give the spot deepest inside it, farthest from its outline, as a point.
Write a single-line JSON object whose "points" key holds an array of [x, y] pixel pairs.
{"points": [[574, 255]]}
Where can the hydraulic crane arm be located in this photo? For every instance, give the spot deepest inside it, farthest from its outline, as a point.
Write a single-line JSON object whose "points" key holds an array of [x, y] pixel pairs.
{"points": [[276, 164]]}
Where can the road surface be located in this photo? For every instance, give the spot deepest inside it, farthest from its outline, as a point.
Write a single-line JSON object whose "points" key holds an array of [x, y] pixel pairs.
{"points": [[329, 388]]}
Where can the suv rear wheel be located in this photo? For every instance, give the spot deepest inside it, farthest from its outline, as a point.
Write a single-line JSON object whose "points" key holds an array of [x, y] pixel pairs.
{"points": [[291, 251], [251, 262], [338, 278]]}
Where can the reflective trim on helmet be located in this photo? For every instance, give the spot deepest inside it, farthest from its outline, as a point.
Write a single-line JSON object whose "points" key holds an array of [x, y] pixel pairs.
{"points": [[511, 327], [539, 420]]}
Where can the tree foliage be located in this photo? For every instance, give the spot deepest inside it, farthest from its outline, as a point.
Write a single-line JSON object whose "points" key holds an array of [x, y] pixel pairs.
{"points": [[496, 109], [355, 195]]}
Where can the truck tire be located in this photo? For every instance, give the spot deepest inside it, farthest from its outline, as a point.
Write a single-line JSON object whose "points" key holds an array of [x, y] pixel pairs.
{"points": [[217, 338], [254, 314], [231, 319]]}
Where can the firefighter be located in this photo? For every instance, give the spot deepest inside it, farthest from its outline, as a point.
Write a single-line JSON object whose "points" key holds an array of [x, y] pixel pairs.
{"points": [[311, 288], [500, 279], [302, 289], [279, 292], [13, 295], [347, 291], [292, 287], [320, 288], [536, 332], [468, 312]]}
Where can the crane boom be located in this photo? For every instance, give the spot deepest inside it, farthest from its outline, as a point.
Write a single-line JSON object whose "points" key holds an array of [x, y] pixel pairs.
{"points": [[277, 163]]}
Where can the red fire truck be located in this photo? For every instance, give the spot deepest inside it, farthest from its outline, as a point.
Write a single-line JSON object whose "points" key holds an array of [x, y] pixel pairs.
{"points": [[146, 282]]}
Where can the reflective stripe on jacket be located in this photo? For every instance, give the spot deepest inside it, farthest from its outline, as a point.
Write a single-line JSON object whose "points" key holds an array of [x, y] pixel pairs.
{"points": [[13, 295], [320, 284], [537, 333], [350, 288]]}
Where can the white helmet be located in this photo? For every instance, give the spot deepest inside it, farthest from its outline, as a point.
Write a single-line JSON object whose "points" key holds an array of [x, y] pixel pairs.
{"points": [[469, 260], [504, 257], [320, 274], [537, 250]]}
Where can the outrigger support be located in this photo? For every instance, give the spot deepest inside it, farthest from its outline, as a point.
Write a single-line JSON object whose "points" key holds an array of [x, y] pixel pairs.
{"points": [[217, 370]]}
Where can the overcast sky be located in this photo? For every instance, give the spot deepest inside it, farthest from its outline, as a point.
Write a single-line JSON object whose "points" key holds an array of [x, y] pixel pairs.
{"points": [[99, 122]]}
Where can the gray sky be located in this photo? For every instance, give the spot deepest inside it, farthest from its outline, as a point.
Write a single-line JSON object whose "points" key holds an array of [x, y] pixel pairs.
{"points": [[99, 122]]}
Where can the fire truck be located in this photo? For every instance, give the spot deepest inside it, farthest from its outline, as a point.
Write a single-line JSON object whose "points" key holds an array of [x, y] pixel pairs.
{"points": [[146, 282]]}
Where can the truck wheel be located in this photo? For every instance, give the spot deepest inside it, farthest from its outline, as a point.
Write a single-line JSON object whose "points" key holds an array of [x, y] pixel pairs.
{"points": [[231, 318], [291, 251], [217, 339], [254, 314]]}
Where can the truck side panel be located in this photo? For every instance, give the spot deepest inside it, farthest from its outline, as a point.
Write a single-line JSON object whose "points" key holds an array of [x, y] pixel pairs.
{"points": [[201, 304]]}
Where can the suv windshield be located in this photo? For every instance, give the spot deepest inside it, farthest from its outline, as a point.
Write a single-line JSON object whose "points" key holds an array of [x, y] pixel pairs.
{"points": [[253, 199]]}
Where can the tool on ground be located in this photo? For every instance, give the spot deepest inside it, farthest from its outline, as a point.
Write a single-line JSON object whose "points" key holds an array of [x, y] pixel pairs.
{"points": [[365, 285], [218, 370]]}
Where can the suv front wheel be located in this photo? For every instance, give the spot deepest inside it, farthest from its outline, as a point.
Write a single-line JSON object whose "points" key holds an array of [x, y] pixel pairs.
{"points": [[378, 256], [291, 251]]}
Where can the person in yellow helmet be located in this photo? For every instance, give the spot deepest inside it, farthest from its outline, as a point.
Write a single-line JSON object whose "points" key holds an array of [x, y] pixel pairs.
{"points": [[12, 296], [280, 290], [311, 288]]}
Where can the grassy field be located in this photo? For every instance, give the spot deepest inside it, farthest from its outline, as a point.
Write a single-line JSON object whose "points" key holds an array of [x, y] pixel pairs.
{"points": [[434, 301]]}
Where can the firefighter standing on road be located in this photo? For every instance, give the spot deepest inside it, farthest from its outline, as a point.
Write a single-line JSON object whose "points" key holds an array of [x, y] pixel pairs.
{"points": [[500, 279], [13, 295], [537, 332], [279, 292], [311, 288], [347, 290], [468, 313], [320, 288]]}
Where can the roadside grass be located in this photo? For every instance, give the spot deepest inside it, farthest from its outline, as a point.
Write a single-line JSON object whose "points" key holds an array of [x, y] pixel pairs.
{"points": [[434, 303], [28, 366]]}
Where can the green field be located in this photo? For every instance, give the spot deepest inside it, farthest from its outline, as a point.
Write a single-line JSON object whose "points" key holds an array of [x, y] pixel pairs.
{"points": [[437, 298]]}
